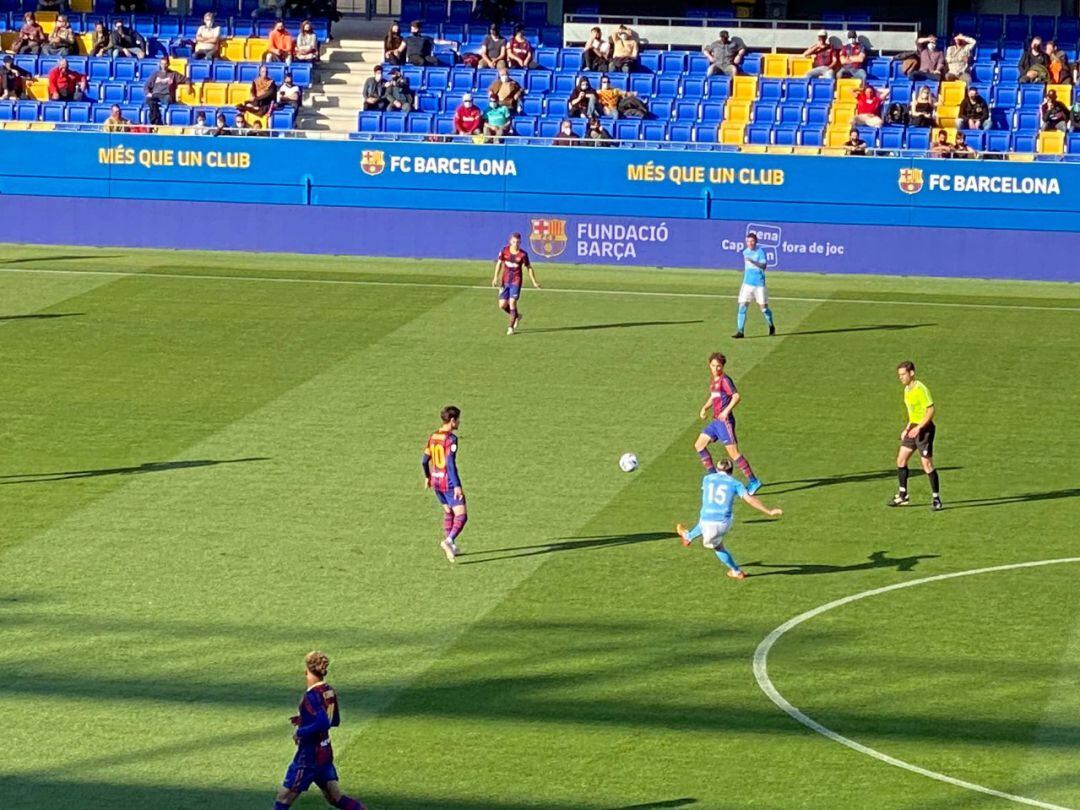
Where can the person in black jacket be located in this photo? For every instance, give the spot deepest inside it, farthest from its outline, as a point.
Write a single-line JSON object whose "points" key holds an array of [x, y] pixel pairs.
{"points": [[974, 111], [1055, 115], [1033, 64], [419, 48]]}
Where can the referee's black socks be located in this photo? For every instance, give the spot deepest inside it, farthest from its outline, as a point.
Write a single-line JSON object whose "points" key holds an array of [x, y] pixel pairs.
{"points": [[934, 483], [902, 474]]}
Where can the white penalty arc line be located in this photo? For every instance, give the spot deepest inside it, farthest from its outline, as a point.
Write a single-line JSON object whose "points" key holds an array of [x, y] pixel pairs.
{"points": [[568, 290], [761, 673]]}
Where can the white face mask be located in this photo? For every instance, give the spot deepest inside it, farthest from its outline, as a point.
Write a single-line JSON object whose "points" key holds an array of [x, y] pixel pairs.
{"points": [[852, 40], [931, 46]]}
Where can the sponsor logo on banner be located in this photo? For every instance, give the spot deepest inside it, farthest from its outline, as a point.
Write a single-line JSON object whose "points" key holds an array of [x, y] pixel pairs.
{"points": [[373, 161], [911, 181], [768, 237], [547, 237]]}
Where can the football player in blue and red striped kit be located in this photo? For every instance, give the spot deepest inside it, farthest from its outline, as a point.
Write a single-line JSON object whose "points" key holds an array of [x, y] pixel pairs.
{"points": [[441, 474], [723, 397], [509, 264], [314, 759]]}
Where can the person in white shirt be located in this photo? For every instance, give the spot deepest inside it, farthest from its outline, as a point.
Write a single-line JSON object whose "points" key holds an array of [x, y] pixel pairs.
{"points": [[200, 127], [207, 38], [289, 94]]}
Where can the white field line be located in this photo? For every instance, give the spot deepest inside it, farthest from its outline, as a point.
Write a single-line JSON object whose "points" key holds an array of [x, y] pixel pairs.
{"points": [[761, 673], [580, 291]]}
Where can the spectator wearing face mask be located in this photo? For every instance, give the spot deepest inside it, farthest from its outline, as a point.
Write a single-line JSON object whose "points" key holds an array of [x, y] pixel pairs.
{"points": [[852, 59], [1034, 64], [624, 50], [468, 119], [497, 122], [566, 135], [584, 101], [419, 49], [520, 52], [958, 59], [931, 60], [974, 111], [375, 90], [506, 91], [596, 135], [826, 57]]}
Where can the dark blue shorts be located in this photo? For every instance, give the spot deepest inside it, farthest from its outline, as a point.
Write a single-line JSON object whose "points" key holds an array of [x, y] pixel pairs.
{"points": [[508, 291], [447, 498], [300, 777], [720, 431]]}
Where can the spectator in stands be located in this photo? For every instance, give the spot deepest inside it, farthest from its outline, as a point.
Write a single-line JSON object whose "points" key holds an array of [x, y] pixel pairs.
{"points": [[200, 127], [281, 44], [974, 111], [596, 135], [496, 122], [931, 60], [493, 49], [624, 50], [607, 98], [264, 92], [941, 147], [468, 119], [1055, 115], [394, 45], [160, 89], [99, 40], [65, 84], [257, 129], [116, 121], [597, 51], [13, 79], [724, 54], [1059, 71], [566, 135], [868, 103], [399, 96], [62, 40], [55, 6], [31, 35], [958, 59], [584, 100], [826, 57], [239, 125], [922, 109], [852, 59], [520, 52], [307, 44], [125, 42], [207, 39], [854, 145], [289, 95], [506, 91], [129, 7], [375, 90], [961, 148], [1034, 64], [221, 126], [419, 49]]}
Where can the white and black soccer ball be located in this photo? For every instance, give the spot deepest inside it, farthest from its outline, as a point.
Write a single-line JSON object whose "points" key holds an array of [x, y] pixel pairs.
{"points": [[628, 462]]}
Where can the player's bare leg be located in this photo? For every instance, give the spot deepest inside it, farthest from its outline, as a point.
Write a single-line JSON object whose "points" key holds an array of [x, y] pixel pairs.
{"points": [[332, 793], [903, 455], [752, 482], [285, 797], [515, 316]]}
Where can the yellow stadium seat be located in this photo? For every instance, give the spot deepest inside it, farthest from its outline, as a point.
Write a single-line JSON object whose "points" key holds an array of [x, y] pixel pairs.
{"points": [[731, 134], [834, 151], [238, 93], [1021, 157], [40, 126], [799, 65], [188, 94], [178, 64], [1064, 93], [837, 136], [805, 150], [952, 93], [845, 88], [737, 112], [744, 88], [86, 42], [780, 150], [754, 148], [38, 91], [23, 125], [234, 49], [774, 66], [256, 49], [842, 112], [82, 6], [1052, 143], [46, 19], [169, 131], [215, 94]]}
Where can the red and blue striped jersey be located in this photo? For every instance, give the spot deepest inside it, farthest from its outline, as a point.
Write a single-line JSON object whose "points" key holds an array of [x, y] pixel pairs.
{"points": [[318, 714], [721, 390], [513, 263], [440, 461]]}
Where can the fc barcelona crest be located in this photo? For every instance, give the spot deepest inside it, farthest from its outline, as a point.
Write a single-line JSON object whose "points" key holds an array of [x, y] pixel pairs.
{"points": [[372, 161], [547, 237], [911, 181]]}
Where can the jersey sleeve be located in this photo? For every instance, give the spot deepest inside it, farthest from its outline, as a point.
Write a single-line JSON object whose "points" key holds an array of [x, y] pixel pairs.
{"points": [[927, 399], [451, 463], [317, 720], [525, 261], [728, 386]]}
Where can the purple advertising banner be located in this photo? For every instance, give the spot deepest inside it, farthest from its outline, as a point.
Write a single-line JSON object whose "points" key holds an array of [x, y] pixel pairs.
{"points": [[641, 241]]}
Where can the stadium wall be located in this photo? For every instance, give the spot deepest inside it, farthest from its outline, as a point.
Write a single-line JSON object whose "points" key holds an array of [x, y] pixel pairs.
{"points": [[675, 208]]}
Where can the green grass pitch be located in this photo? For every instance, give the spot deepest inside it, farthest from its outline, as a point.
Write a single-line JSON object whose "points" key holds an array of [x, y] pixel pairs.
{"points": [[210, 465]]}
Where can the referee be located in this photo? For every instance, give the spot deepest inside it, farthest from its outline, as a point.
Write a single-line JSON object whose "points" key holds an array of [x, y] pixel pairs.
{"points": [[918, 434]]}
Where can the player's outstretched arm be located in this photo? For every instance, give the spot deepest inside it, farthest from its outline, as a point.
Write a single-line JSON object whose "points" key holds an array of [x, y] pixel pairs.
{"points": [[757, 504]]}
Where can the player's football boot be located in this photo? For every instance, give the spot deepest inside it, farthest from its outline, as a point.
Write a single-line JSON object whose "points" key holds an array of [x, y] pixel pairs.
{"points": [[900, 499], [449, 549], [936, 505], [684, 535], [753, 485], [738, 335], [772, 330], [736, 574]]}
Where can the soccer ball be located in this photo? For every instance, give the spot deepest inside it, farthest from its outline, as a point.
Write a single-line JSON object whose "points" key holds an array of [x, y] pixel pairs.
{"points": [[628, 462]]}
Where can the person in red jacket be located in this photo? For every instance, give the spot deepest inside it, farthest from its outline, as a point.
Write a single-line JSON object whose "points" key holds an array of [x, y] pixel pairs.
{"points": [[65, 84], [468, 119]]}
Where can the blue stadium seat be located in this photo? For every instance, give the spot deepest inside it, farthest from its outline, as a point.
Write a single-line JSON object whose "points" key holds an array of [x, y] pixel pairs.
{"points": [[759, 134], [1031, 96], [539, 82], [244, 72], [1025, 141], [411, 10], [1028, 121], [78, 112], [976, 139], [547, 58], [769, 90], [654, 130], [697, 64], [680, 132], [1016, 27], [650, 61], [870, 135], [449, 102], [786, 135], [200, 70], [964, 24], [673, 62], [549, 128], [983, 72], [556, 105], [692, 87], [168, 27], [1008, 97], [686, 110], [1008, 75], [133, 113], [113, 93], [879, 69], [991, 27], [892, 138], [444, 124], [189, 27], [145, 68], [998, 141], [177, 115], [228, 72], [435, 12], [437, 79], [369, 121], [712, 112], [642, 84], [706, 133], [283, 119], [1068, 32], [627, 130], [790, 113], [460, 12], [918, 139], [1042, 25], [564, 83], [53, 111], [534, 14], [667, 86], [570, 59], [420, 123], [525, 126], [462, 79], [47, 63], [811, 136], [77, 63], [662, 108], [796, 90], [817, 115], [718, 87], [551, 36], [1074, 143], [99, 68], [1011, 52], [100, 113], [821, 90], [764, 112], [751, 64], [301, 74], [900, 92], [533, 105]]}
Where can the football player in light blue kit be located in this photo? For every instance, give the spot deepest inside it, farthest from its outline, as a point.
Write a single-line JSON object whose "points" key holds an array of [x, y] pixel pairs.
{"points": [[718, 493], [753, 285]]}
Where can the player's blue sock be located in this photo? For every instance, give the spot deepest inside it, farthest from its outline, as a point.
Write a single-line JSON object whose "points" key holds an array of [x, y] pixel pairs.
{"points": [[725, 557], [280, 806], [706, 459], [741, 322], [768, 316], [694, 533], [348, 803]]}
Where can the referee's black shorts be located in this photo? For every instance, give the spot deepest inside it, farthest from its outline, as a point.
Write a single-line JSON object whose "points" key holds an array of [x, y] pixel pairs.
{"points": [[923, 442]]}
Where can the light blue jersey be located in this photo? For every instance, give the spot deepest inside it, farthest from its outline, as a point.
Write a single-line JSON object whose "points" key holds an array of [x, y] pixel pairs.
{"points": [[753, 275], [718, 494]]}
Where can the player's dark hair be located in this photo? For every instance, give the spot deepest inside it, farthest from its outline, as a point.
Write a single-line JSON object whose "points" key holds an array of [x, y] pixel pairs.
{"points": [[515, 235], [718, 356], [450, 412], [724, 465], [752, 234], [907, 365], [317, 663]]}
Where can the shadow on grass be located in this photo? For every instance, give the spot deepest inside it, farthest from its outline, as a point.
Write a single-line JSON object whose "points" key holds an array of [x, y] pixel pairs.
{"points": [[566, 544], [1004, 500], [881, 327], [878, 559], [76, 258], [589, 327], [149, 467], [40, 316], [799, 484]]}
